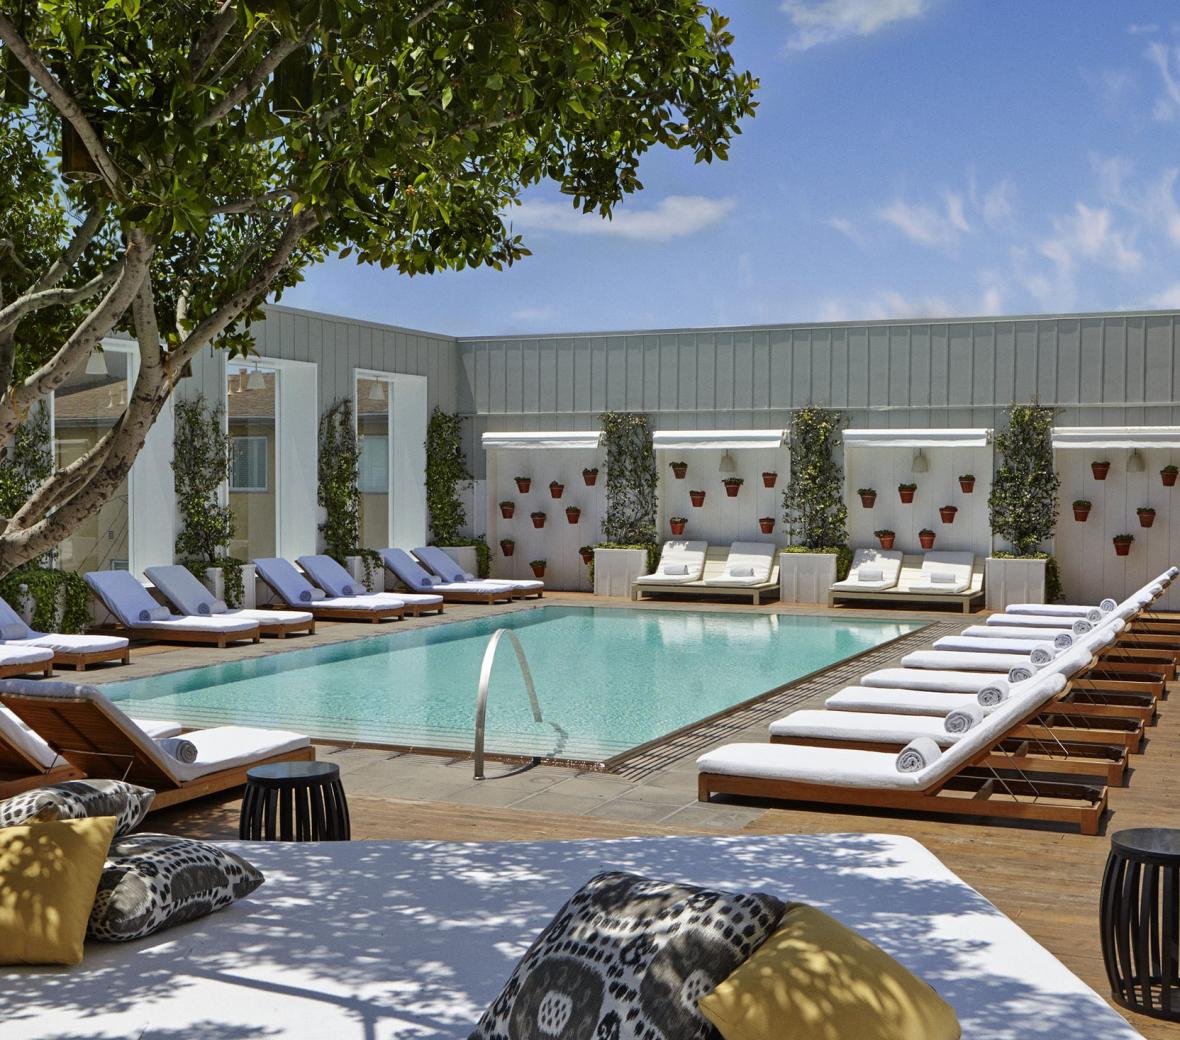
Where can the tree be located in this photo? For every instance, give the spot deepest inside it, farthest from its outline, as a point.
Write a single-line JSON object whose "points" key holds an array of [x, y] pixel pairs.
{"points": [[813, 502], [1023, 499], [209, 152]]}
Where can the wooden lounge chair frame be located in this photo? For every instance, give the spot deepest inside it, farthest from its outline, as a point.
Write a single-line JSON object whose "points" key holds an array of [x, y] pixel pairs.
{"points": [[715, 558], [282, 629], [94, 745], [188, 637], [911, 569], [43, 668], [80, 660], [20, 773], [338, 613]]}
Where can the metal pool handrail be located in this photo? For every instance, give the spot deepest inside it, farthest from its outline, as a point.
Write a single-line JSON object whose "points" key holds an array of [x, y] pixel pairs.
{"points": [[481, 696]]}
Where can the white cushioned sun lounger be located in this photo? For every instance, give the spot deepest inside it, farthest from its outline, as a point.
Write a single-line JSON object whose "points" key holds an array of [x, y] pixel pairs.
{"points": [[330, 576], [74, 649], [872, 562], [680, 562], [336, 943], [184, 591], [748, 563], [996, 645], [953, 660], [1025, 633], [899, 701], [944, 573], [299, 594], [89, 731], [414, 577], [862, 727], [25, 660], [939, 680], [136, 610], [451, 573]]}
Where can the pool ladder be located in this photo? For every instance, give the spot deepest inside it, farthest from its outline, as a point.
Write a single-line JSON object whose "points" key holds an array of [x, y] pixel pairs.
{"points": [[481, 696]]}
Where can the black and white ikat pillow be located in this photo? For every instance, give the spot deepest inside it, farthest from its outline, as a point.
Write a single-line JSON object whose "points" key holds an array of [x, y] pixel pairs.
{"points": [[154, 881], [79, 800], [627, 958]]}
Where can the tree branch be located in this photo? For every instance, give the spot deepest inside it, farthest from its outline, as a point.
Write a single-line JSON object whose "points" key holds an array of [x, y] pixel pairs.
{"points": [[22, 305], [425, 13], [212, 38], [70, 110], [254, 78], [83, 236]]}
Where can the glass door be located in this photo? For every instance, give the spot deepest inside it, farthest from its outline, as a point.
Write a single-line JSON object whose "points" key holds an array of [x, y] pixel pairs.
{"points": [[252, 417], [374, 396]]}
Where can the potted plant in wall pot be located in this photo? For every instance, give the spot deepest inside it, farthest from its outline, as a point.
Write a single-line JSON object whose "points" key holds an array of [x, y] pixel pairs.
{"points": [[538, 567], [1146, 516], [573, 514], [538, 518], [1168, 475], [679, 469], [556, 489], [868, 497], [1081, 510], [967, 483], [769, 479], [697, 498], [587, 554], [676, 524], [733, 485], [766, 524], [507, 546], [1122, 544], [947, 513], [523, 484], [507, 510], [906, 492], [885, 537], [590, 476], [1100, 470], [926, 538]]}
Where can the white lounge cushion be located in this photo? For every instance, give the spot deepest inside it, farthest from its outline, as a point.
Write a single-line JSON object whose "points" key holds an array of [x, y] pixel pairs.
{"points": [[950, 589], [1070, 610], [979, 644], [449, 572], [862, 727], [951, 660], [12, 625], [224, 747], [183, 589], [371, 604], [200, 623], [873, 569], [330, 576], [271, 617], [747, 564], [897, 702], [675, 552], [12, 654], [937, 680], [944, 572], [1028, 634], [73, 643], [292, 587]]}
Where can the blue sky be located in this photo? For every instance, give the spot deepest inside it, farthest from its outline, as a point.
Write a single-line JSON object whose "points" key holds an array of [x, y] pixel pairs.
{"points": [[910, 158]]}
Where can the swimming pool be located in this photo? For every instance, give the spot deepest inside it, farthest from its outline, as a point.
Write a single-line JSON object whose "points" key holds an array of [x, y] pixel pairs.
{"points": [[608, 679]]}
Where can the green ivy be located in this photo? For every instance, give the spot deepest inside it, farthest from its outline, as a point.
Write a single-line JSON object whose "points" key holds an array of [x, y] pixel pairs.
{"points": [[371, 565], [813, 501], [44, 586], [842, 552], [1023, 499], [1054, 591], [631, 480], [26, 462], [339, 466], [483, 553], [200, 466], [446, 476]]}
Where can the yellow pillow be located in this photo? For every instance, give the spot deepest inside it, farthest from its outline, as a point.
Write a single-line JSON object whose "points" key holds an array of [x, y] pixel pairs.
{"points": [[815, 978], [49, 874]]}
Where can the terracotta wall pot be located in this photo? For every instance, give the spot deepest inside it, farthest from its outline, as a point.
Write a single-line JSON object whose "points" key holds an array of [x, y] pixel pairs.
{"points": [[698, 498], [732, 490], [1099, 469], [1081, 515], [926, 541], [677, 529], [968, 486], [906, 496], [1146, 519], [507, 511], [868, 501], [557, 490], [679, 472], [539, 572], [886, 540], [1122, 548], [947, 515], [538, 521], [1169, 479], [769, 479], [523, 484], [587, 556], [767, 526], [507, 547], [590, 478], [573, 515]]}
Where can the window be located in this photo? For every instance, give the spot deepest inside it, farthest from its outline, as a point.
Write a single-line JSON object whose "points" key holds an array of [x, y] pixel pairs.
{"points": [[374, 465], [248, 464]]}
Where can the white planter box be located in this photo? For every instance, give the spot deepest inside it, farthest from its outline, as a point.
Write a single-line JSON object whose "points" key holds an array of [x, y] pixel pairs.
{"points": [[465, 556], [215, 583], [355, 565], [806, 577], [616, 569], [25, 607], [1013, 581]]}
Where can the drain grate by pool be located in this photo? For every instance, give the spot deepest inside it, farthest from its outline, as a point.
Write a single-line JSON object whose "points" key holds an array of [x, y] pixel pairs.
{"points": [[810, 691]]}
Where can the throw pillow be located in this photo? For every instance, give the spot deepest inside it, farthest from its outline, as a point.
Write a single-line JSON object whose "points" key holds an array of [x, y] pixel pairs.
{"points": [[79, 799]]}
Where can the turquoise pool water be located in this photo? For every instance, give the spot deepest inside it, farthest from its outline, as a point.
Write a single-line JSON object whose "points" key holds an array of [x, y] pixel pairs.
{"points": [[607, 679]]}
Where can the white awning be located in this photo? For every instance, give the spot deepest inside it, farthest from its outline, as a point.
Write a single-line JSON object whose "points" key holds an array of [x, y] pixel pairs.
{"points": [[1116, 437], [718, 440], [574, 439], [917, 438]]}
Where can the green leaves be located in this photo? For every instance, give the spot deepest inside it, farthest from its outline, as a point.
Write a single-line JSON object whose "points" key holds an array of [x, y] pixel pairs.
{"points": [[813, 501], [339, 494], [1023, 499], [446, 476], [631, 479]]}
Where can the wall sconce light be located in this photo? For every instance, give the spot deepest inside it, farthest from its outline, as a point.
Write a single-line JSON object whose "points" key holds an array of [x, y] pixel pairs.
{"points": [[1135, 463], [96, 364], [920, 463], [728, 464], [376, 390]]}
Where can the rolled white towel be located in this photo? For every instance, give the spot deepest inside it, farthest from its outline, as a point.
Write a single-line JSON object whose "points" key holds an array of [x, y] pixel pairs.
{"points": [[962, 719], [1019, 673], [917, 755], [1093, 614], [180, 749], [1063, 640], [993, 694], [1107, 605], [1081, 627], [214, 606], [1042, 654]]}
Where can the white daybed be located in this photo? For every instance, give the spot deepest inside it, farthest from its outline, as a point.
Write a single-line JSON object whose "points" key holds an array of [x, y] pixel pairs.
{"points": [[937, 577], [365, 939], [745, 569]]}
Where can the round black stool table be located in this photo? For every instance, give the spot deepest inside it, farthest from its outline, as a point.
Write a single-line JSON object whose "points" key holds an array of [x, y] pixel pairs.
{"points": [[1140, 921], [294, 801]]}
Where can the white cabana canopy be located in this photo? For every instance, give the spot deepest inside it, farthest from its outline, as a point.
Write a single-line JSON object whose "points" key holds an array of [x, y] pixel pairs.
{"points": [[1116, 437], [575, 439], [953, 438], [717, 440]]}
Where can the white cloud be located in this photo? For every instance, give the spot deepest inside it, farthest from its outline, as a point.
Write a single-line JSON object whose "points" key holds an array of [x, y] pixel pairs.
{"points": [[1142, 29], [1169, 299], [533, 315], [932, 226], [1167, 106], [997, 203], [1152, 203], [883, 305], [826, 21], [847, 228], [675, 216], [1089, 233]]}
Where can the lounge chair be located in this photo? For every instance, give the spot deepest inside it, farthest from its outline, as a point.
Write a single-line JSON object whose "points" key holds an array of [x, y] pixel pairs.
{"points": [[872, 570], [937, 577], [183, 590], [748, 566], [76, 650], [141, 615], [299, 594], [451, 574], [91, 733], [744, 569], [681, 562], [336, 581], [25, 660], [414, 577]]}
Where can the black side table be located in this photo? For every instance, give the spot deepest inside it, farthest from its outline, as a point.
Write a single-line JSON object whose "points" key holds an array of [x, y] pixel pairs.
{"points": [[1140, 921], [294, 801]]}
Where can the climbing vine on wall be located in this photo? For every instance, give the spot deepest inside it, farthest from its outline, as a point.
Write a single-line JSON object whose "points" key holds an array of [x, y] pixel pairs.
{"points": [[813, 501], [340, 459], [200, 466], [1023, 500], [60, 599], [446, 477], [631, 479], [25, 462]]}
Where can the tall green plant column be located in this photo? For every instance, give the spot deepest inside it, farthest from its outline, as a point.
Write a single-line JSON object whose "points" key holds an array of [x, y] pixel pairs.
{"points": [[813, 501], [631, 479], [1023, 499], [339, 494], [446, 477]]}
